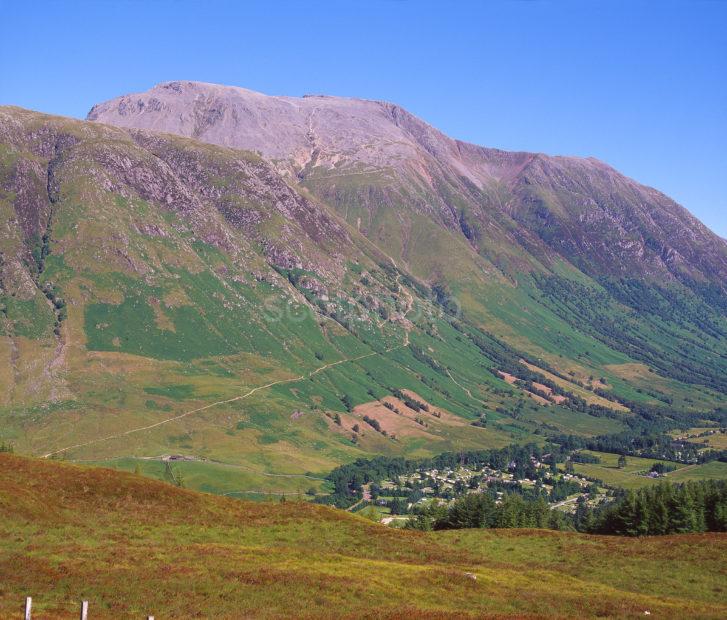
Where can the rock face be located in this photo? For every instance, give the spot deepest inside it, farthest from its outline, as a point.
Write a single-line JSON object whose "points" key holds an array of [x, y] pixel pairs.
{"points": [[231, 200], [367, 157]]}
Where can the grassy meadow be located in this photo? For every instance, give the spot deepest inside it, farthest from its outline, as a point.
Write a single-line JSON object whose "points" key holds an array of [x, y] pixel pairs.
{"points": [[631, 475], [134, 547]]}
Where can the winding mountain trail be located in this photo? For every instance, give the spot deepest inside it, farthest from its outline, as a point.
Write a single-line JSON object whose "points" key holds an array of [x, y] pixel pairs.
{"points": [[482, 402], [404, 344], [223, 402]]}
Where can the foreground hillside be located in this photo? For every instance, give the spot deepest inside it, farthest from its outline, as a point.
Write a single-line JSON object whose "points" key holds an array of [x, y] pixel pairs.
{"points": [[134, 547]]}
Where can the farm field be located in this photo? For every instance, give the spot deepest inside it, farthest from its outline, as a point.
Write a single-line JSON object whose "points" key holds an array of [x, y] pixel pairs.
{"points": [[629, 477], [586, 395], [220, 478], [716, 441], [177, 553], [714, 469], [574, 422]]}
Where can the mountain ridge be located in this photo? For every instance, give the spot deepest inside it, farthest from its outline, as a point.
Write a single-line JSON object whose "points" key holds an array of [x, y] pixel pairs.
{"points": [[565, 203]]}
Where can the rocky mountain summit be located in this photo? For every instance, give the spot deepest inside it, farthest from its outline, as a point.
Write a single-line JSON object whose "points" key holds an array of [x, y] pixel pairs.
{"points": [[369, 157]]}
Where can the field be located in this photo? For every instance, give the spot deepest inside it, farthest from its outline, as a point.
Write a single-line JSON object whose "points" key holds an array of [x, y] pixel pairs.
{"points": [[716, 441], [630, 476], [714, 469], [221, 478], [133, 546], [586, 395]]}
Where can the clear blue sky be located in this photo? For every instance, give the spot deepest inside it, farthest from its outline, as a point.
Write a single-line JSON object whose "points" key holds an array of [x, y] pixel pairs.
{"points": [[641, 85]]}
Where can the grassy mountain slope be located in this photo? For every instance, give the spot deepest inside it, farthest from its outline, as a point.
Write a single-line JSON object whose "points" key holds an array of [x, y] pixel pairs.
{"points": [[160, 295], [134, 547], [478, 220]]}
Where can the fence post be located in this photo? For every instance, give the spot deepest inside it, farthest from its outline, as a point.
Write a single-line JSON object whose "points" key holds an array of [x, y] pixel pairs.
{"points": [[28, 605], [84, 610]]}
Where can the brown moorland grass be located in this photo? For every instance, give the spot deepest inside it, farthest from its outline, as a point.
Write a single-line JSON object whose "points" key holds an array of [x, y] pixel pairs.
{"points": [[134, 546]]}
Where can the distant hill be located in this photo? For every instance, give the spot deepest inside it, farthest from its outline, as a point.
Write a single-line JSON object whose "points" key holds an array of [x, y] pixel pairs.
{"points": [[133, 547]]}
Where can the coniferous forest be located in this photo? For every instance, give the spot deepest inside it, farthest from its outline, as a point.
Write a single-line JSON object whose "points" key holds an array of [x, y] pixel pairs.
{"points": [[661, 509]]}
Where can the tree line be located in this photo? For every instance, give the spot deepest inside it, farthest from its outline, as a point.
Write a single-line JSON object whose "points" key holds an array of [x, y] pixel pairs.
{"points": [[662, 509], [481, 510], [643, 444]]}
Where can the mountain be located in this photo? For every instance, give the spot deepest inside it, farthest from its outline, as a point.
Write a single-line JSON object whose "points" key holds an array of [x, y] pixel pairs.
{"points": [[269, 287], [368, 157], [131, 547]]}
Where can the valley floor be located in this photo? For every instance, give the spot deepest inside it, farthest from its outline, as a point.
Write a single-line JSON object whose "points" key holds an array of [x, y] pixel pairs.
{"points": [[134, 547]]}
